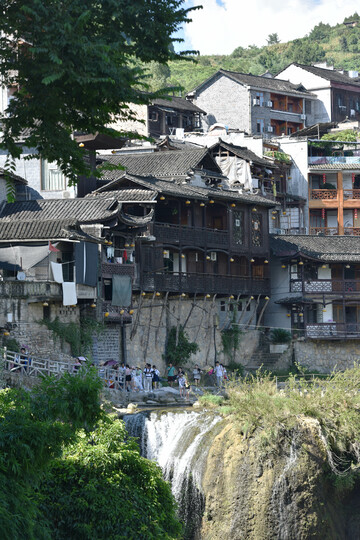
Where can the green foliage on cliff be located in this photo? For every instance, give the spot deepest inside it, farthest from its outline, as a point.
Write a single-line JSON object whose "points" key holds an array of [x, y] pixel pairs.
{"points": [[333, 403], [337, 45], [178, 347], [78, 336], [103, 488]]}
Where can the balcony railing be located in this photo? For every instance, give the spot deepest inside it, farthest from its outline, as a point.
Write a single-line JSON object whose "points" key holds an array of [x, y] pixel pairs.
{"points": [[30, 289], [354, 231], [332, 330], [190, 236], [332, 160], [323, 194], [203, 283], [109, 269], [351, 194], [326, 286], [327, 231]]}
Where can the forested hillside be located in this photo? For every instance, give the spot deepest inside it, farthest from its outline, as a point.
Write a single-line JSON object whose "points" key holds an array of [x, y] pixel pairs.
{"points": [[337, 45]]}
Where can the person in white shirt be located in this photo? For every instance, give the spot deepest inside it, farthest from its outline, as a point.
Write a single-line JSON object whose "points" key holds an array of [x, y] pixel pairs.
{"points": [[147, 378], [219, 373]]}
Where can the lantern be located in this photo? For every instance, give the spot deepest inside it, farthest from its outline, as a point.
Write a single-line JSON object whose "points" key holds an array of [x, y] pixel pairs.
{"points": [[324, 178], [162, 198], [232, 205], [353, 178], [122, 312], [131, 311], [93, 305], [355, 213], [202, 204], [187, 202]]}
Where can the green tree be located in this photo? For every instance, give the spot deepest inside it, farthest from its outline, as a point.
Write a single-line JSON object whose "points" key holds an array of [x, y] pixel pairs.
{"points": [[34, 426], [107, 490], [75, 64], [304, 51], [320, 32], [343, 43], [272, 39], [178, 347]]}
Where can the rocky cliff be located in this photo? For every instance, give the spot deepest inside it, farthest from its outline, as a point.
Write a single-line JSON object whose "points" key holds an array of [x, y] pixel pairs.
{"points": [[284, 493]]}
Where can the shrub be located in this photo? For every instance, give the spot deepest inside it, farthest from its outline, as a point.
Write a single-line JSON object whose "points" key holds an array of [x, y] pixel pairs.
{"points": [[280, 335], [180, 352]]}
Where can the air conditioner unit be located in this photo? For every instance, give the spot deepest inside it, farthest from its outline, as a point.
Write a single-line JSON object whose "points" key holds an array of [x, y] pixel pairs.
{"points": [[270, 129], [213, 255], [303, 117], [270, 104], [256, 101]]}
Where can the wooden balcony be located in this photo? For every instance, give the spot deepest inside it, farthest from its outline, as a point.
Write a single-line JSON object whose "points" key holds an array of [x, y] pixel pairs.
{"points": [[324, 194], [203, 283], [327, 231], [326, 286], [191, 236], [351, 194], [115, 315], [354, 231], [332, 330]]}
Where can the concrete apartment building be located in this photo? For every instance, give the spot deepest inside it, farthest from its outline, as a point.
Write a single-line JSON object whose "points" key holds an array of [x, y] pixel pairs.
{"points": [[256, 105]]}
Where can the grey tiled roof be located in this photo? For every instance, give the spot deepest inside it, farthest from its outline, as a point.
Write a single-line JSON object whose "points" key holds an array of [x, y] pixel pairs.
{"points": [[17, 231], [322, 248], [266, 83], [244, 153], [160, 164], [185, 190], [335, 167], [126, 195], [15, 177], [89, 210], [177, 103], [329, 74]]}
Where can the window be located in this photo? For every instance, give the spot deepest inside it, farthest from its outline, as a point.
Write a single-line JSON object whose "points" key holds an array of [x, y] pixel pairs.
{"points": [[260, 126], [222, 305], [153, 116], [260, 98], [256, 232], [238, 227], [52, 178], [307, 106]]}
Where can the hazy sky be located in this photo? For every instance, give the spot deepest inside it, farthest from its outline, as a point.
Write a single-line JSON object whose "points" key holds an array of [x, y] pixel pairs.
{"points": [[223, 25]]}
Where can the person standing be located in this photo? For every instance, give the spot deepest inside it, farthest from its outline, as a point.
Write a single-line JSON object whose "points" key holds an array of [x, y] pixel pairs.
{"points": [[196, 375], [182, 383], [147, 378], [219, 373], [155, 377], [170, 374], [128, 378]]}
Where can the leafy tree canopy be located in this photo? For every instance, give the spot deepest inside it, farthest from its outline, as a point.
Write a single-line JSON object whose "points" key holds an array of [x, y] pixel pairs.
{"points": [[107, 490], [272, 39], [75, 64], [179, 348]]}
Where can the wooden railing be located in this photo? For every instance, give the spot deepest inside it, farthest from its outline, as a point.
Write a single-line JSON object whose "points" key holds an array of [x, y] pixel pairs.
{"points": [[190, 236], [327, 286], [327, 231], [203, 283], [109, 269], [354, 231], [30, 366], [323, 194], [332, 330], [351, 194]]}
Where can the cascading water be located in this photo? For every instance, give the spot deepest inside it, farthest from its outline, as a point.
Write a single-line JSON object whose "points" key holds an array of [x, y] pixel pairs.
{"points": [[179, 442]]}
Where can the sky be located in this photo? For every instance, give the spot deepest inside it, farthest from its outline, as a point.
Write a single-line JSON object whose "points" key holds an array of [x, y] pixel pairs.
{"points": [[223, 25]]}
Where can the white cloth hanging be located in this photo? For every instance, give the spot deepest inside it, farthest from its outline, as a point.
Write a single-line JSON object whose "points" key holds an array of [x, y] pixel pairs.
{"points": [[57, 272], [69, 293]]}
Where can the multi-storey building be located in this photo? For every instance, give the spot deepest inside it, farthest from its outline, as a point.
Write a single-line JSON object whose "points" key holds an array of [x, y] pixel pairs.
{"points": [[316, 286], [337, 92], [253, 104]]}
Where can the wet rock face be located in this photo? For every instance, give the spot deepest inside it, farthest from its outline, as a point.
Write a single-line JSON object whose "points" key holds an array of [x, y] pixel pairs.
{"points": [[253, 496]]}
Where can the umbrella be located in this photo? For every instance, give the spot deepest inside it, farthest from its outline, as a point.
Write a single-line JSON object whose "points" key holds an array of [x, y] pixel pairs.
{"points": [[110, 363]]}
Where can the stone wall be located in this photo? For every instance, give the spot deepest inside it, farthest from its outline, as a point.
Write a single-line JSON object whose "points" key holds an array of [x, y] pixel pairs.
{"points": [[36, 337], [107, 344], [146, 338], [325, 356]]}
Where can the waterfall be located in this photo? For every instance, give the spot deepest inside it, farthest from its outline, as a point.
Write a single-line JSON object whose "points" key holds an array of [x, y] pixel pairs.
{"points": [[179, 442]]}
